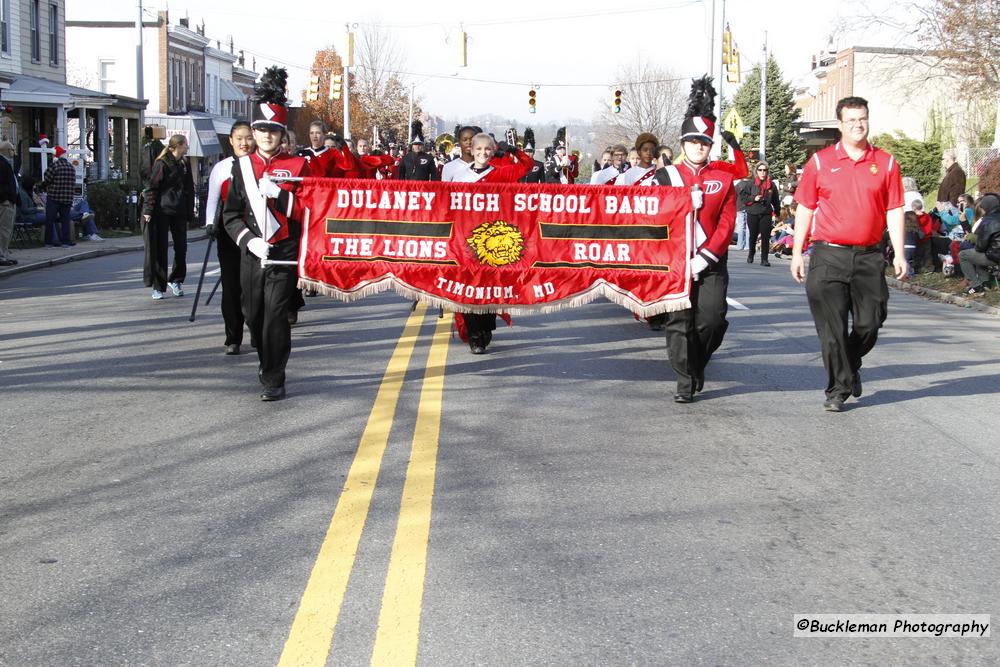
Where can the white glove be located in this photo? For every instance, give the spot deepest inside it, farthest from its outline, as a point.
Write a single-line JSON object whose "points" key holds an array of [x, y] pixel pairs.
{"points": [[698, 264], [259, 247], [697, 199], [268, 188]]}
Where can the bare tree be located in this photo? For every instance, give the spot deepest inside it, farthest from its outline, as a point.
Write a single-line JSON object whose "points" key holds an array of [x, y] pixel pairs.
{"points": [[653, 100], [378, 83], [954, 40]]}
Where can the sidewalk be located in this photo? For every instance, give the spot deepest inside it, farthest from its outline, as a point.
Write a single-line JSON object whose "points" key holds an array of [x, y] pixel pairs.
{"points": [[39, 258]]}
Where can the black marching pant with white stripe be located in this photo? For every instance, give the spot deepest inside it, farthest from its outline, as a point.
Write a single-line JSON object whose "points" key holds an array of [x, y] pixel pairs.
{"points": [[693, 334], [266, 296], [842, 282]]}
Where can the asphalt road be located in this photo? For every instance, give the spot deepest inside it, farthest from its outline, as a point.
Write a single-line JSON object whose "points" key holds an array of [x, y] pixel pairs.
{"points": [[154, 512]]}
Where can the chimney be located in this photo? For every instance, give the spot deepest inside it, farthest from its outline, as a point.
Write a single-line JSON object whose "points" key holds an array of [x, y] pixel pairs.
{"points": [[185, 23], [243, 59], [813, 63], [231, 44]]}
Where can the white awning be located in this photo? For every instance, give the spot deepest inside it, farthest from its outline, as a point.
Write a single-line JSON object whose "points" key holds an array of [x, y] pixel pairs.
{"points": [[228, 92], [199, 131]]}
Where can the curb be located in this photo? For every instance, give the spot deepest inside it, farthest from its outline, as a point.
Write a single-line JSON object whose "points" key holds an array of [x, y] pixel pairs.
{"points": [[75, 257], [953, 299]]}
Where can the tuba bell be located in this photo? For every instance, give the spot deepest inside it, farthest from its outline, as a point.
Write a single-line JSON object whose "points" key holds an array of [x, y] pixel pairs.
{"points": [[445, 142]]}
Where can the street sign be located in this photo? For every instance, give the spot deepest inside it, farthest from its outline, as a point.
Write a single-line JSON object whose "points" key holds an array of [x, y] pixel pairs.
{"points": [[734, 123]]}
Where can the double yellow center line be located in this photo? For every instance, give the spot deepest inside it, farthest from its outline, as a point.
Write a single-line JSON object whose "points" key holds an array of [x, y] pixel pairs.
{"points": [[311, 636]]}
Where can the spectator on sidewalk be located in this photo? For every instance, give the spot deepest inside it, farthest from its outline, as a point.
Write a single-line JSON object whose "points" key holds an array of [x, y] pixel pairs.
{"points": [[928, 227], [953, 183], [913, 234], [168, 208], [58, 184], [911, 194], [8, 201], [81, 213], [976, 262]]}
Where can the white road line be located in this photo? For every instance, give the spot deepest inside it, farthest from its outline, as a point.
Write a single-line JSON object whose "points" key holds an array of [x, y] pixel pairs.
{"points": [[736, 304], [212, 272]]}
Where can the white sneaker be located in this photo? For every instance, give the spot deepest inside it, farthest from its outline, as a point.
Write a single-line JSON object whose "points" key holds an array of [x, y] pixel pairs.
{"points": [[176, 289], [157, 294], [94, 237]]}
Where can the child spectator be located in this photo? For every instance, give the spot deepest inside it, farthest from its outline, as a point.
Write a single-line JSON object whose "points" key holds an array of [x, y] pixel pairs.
{"points": [[928, 226], [913, 233]]}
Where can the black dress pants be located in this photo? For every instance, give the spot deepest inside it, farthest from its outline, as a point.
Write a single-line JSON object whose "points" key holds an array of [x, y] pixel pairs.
{"points": [[230, 259], [842, 282], [693, 334], [154, 236], [480, 327], [759, 224], [266, 296]]}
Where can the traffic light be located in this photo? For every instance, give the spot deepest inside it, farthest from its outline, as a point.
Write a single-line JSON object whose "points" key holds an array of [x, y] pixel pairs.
{"points": [[532, 101], [727, 46], [733, 67], [336, 85], [313, 94], [616, 104], [463, 50]]}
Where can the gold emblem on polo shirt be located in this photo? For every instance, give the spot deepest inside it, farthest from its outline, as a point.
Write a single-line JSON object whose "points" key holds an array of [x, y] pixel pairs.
{"points": [[874, 169]]}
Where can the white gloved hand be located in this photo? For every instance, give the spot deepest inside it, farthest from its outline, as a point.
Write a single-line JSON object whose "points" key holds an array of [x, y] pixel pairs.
{"points": [[698, 264], [268, 188], [697, 199], [259, 247]]}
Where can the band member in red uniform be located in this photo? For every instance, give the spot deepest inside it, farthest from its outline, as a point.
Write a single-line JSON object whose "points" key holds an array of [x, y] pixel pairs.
{"points": [[480, 327], [322, 159], [241, 139], [644, 173], [695, 333], [537, 173], [370, 164], [264, 218]]}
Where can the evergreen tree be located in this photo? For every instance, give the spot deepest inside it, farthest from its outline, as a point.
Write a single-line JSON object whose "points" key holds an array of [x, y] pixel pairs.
{"points": [[782, 143]]}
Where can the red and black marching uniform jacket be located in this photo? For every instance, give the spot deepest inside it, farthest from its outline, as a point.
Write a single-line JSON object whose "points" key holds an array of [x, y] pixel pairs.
{"points": [[738, 168], [247, 214], [373, 163], [716, 220], [323, 162]]}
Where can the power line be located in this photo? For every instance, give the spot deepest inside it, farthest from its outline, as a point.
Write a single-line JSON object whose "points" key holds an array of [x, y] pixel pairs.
{"points": [[535, 84]]}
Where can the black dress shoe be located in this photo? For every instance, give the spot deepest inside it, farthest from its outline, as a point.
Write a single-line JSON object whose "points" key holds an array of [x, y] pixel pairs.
{"points": [[750, 258], [683, 398], [273, 393], [764, 262], [833, 405], [233, 348], [856, 385], [699, 384], [293, 316]]}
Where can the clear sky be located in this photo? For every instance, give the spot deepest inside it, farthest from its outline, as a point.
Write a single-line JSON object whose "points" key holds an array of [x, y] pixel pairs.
{"points": [[547, 43]]}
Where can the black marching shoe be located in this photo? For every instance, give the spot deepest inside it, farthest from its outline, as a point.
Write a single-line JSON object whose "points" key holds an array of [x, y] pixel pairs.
{"points": [[233, 348], [477, 345], [833, 405], [273, 393], [293, 316], [750, 258], [683, 398], [764, 262], [699, 384], [856, 385]]}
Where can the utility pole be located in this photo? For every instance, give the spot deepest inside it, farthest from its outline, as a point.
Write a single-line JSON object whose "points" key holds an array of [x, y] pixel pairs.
{"points": [[348, 63], [409, 125], [139, 92], [763, 100], [717, 144]]}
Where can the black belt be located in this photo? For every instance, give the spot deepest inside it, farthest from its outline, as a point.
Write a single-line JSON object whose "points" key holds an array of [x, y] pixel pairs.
{"points": [[859, 248]]}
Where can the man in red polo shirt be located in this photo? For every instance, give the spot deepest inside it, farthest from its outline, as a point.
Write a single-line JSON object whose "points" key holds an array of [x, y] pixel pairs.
{"points": [[848, 195]]}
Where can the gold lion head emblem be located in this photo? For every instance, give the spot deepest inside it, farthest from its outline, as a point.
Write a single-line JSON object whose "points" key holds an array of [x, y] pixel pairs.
{"points": [[497, 243]]}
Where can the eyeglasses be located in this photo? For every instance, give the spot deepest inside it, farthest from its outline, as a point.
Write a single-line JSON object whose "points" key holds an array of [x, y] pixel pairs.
{"points": [[855, 121]]}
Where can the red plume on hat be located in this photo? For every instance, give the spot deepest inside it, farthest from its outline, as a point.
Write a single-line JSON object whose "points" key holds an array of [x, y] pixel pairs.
{"points": [[271, 110], [699, 121]]}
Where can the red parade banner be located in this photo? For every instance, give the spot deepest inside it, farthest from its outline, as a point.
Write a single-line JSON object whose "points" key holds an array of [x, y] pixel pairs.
{"points": [[504, 247]]}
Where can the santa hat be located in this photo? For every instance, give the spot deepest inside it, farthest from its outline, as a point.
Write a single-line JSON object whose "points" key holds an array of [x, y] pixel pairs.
{"points": [[699, 121], [270, 111], [529, 139], [417, 130], [59, 151]]}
